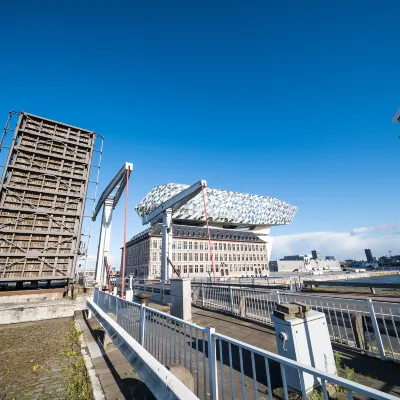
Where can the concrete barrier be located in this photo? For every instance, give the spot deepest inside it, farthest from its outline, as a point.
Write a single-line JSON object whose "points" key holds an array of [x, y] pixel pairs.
{"points": [[29, 312]]}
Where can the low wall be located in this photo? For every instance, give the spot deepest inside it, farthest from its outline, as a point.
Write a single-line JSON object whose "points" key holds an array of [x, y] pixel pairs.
{"points": [[351, 275], [37, 311], [24, 298]]}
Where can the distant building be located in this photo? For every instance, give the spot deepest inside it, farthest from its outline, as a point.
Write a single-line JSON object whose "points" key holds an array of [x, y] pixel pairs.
{"points": [[368, 254], [307, 262], [317, 255]]}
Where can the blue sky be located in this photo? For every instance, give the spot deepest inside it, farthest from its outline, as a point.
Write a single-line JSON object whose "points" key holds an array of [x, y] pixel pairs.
{"points": [[287, 99]]}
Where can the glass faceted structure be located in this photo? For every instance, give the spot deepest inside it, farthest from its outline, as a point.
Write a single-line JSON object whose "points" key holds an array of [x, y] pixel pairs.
{"points": [[223, 207]]}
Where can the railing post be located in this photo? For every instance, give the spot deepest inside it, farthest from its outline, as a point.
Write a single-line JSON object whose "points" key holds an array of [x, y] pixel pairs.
{"points": [[116, 307], [202, 295], [212, 364], [376, 329], [279, 298], [231, 297], [142, 322]]}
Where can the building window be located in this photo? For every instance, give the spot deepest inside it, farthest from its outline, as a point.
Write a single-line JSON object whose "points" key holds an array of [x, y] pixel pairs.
{"points": [[230, 257], [190, 269], [184, 256], [201, 256], [201, 246], [229, 246], [196, 257], [226, 257], [154, 258], [190, 257], [252, 247], [159, 256], [196, 246], [224, 246], [216, 268], [159, 244], [185, 245], [190, 245], [179, 257], [196, 269], [201, 268], [220, 247], [154, 244], [245, 247], [185, 269], [241, 247], [179, 245], [205, 246], [216, 257], [173, 256], [242, 257], [234, 257], [206, 257]]}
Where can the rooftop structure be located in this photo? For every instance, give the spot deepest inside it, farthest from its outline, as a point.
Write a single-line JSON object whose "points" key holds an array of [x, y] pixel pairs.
{"points": [[224, 208]]}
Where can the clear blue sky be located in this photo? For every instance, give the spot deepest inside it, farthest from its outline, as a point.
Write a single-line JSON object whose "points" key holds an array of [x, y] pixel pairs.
{"points": [[287, 99]]}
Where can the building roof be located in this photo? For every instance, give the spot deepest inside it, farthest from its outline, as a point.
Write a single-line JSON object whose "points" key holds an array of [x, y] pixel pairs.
{"points": [[225, 207], [196, 232]]}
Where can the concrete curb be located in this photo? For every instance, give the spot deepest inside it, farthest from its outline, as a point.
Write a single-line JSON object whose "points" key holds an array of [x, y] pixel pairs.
{"points": [[97, 390]]}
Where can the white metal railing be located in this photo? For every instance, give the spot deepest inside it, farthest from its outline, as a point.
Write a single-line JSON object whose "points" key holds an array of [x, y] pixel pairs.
{"points": [[222, 367], [372, 327], [162, 383]]}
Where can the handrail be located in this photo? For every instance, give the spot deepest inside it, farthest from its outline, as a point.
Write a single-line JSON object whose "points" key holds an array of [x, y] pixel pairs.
{"points": [[160, 381]]}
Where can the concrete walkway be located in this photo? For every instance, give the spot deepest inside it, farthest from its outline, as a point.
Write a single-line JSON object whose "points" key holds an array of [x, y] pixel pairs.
{"points": [[118, 379]]}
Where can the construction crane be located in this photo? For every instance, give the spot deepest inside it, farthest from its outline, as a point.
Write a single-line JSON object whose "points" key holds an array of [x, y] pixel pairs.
{"points": [[163, 213], [108, 201]]}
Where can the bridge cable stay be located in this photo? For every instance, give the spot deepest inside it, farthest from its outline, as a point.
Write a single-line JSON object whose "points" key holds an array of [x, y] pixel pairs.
{"points": [[208, 230]]}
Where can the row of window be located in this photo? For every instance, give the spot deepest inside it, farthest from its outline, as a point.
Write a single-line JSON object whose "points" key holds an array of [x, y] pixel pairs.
{"points": [[156, 256], [187, 245], [190, 269], [138, 248]]}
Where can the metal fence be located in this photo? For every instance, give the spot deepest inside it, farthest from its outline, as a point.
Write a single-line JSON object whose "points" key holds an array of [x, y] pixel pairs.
{"points": [[372, 327], [222, 367]]}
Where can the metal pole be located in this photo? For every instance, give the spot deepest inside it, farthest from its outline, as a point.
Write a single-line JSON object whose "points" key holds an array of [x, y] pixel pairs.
{"points": [[212, 364], [142, 319], [128, 171], [376, 329]]}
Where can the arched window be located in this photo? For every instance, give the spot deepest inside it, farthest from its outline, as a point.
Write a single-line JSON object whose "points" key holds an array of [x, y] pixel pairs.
{"points": [[222, 272], [226, 271]]}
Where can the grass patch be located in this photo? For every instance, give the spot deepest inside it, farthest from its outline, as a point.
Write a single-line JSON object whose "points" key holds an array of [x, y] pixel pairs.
{"points": [[77, 384], [349, 373]]}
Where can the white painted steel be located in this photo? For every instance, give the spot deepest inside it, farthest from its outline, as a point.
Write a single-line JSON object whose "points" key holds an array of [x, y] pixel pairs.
{"points": [[162, 383], [379, 323], [245, 369]]}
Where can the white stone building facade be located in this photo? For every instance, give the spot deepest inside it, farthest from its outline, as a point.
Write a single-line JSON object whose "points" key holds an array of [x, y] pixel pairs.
{"points": [[235, 252]]}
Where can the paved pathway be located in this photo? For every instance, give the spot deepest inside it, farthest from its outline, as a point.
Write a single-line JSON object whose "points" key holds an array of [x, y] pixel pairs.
{"points": [[117, 377], [31, 365]]}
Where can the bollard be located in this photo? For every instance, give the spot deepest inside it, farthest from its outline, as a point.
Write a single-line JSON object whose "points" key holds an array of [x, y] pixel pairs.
{"points": [[181, 293]]}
